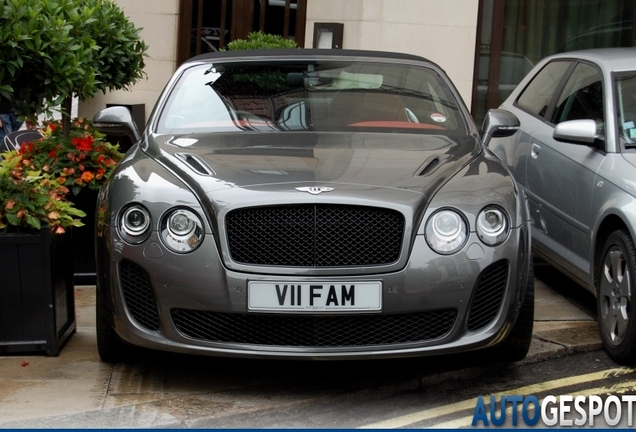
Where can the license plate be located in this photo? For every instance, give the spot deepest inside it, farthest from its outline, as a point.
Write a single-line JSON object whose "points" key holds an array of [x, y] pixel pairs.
{"points": [[314, 297]]}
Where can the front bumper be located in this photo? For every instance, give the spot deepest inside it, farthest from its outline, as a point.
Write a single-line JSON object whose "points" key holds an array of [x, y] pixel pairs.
{"points": [[193, 304]]}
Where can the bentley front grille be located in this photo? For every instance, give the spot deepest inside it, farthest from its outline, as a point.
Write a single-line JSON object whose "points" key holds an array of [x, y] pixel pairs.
{"points": [[138, 295], [315, 235], [313, 331]]}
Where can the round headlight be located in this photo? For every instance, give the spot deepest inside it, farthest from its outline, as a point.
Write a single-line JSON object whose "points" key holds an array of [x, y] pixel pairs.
{"points": [[181, 231], [135, 224], [492, 226], [181, 224], [446, 232]]}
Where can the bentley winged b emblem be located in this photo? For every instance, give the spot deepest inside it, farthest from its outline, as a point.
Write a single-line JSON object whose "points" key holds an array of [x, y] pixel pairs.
{"points": [[314, 190]]}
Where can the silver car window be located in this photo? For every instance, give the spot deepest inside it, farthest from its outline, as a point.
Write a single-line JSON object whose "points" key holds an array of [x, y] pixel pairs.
{"points": [[582, 97], [537, 95], [626, 107]]}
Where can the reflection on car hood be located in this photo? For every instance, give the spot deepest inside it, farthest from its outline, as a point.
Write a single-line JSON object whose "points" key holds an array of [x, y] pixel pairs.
{"points": [[420, 163]]}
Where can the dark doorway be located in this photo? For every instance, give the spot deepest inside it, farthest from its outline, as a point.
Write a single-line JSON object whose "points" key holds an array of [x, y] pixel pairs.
{"points": [[208, 25]]}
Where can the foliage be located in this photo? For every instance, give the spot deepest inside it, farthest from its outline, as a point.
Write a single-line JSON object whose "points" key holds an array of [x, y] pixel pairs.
{"points": [[260, 40], [35, 181], [31, 198], [51, 50], [83, 160]]}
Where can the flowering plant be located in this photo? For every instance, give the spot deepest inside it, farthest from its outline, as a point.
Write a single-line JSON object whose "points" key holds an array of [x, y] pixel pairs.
{"points": [[35, 181], [31, 198], [84, 160]]}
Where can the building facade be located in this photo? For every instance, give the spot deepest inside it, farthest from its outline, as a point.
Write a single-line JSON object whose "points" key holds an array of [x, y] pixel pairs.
{"points": [[485, 46]]}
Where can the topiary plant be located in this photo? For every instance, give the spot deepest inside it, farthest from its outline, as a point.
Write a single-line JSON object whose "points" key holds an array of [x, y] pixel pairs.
{"points": [[260, 40], [51, 50]]}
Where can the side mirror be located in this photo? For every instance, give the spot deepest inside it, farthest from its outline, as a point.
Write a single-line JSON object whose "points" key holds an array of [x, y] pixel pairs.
{"points": [[117, 120], [499, 123], [576, 132]]}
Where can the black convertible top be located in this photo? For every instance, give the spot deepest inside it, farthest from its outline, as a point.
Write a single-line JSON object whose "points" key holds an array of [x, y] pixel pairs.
{"points": [[300, 52]]}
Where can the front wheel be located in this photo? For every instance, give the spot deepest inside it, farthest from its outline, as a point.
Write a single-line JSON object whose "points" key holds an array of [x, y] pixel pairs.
{"points": [[615, 291], [516, 346], [110, 346]]}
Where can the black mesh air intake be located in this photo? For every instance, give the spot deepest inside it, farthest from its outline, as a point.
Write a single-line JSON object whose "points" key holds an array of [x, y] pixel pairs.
{"points": [[138, 295], [489, 293], [313, 331], [315, 235]]}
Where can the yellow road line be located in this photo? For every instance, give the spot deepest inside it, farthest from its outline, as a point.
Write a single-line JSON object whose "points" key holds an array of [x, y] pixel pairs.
{"points": [[419, 416], [616, 388]]}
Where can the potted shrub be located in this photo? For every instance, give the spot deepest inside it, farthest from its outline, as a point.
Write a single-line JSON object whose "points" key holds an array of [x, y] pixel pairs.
{"points": [[37, 308], [39, 185], [82, 162]]}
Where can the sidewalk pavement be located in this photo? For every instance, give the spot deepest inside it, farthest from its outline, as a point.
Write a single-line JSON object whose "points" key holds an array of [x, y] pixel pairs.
{"points": [[76, 389]]}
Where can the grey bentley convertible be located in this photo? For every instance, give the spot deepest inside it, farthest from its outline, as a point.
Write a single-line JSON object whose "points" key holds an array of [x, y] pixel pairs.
{"points": [[316, 204]]}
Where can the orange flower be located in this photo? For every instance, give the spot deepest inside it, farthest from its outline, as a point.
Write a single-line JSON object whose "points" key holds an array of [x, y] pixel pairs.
{"points": [[61, 180], [87, 176], [9, 204], [59, 230]]}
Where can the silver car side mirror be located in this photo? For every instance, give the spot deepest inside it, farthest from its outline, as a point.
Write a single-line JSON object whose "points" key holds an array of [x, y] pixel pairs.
{"points": [[117, 120], [499, 123], [576, 132]]}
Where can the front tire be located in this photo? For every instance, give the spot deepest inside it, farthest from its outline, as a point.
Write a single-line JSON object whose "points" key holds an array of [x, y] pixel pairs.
{"points": [[110, 346], [516, 347], [615, 294]]}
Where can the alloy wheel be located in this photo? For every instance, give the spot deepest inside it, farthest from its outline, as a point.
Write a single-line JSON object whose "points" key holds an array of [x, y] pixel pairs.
{"points": [[615, 295]]}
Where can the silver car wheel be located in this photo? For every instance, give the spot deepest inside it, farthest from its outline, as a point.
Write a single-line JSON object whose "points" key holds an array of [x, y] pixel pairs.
{"points": [[615, 292], [616, 313]]}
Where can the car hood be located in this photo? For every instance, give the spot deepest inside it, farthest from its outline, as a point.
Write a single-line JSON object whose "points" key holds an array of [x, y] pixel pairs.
{"points": [[631, 158], [406, 162]]}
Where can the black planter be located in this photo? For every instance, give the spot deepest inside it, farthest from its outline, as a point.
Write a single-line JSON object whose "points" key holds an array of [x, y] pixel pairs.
{"points": [[37, 298], [84, 239]]}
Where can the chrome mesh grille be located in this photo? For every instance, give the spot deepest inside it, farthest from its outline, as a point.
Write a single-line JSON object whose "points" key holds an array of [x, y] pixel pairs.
{"points": [[138, 295], [313, 331], [315, 235], [489, 293]]}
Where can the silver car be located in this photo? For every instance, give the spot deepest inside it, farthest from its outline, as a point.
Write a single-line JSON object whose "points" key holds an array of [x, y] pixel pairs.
{"points": [[575, 159], [318, 204]]}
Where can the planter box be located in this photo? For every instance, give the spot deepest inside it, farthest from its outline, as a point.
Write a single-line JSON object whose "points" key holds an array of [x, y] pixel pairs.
{"points": [[37, 298], [84, 239]]}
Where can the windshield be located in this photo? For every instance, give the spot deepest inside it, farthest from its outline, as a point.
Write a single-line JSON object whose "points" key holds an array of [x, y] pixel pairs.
{"points": [[626, 107], [310, 96]]}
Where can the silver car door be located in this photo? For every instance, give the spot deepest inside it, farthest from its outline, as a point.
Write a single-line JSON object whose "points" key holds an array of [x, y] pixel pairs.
{"points": [[560, 176], [530, 108]]}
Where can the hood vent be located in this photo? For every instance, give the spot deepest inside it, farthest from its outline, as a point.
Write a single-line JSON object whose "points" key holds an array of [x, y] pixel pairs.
{"points": [[196, 164], [428, 167]]}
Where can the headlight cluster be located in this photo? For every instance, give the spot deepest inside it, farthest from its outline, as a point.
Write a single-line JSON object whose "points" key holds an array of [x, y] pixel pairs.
{"points": [[134, 224], [181, 230], [447, 230], [492, 226]]}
